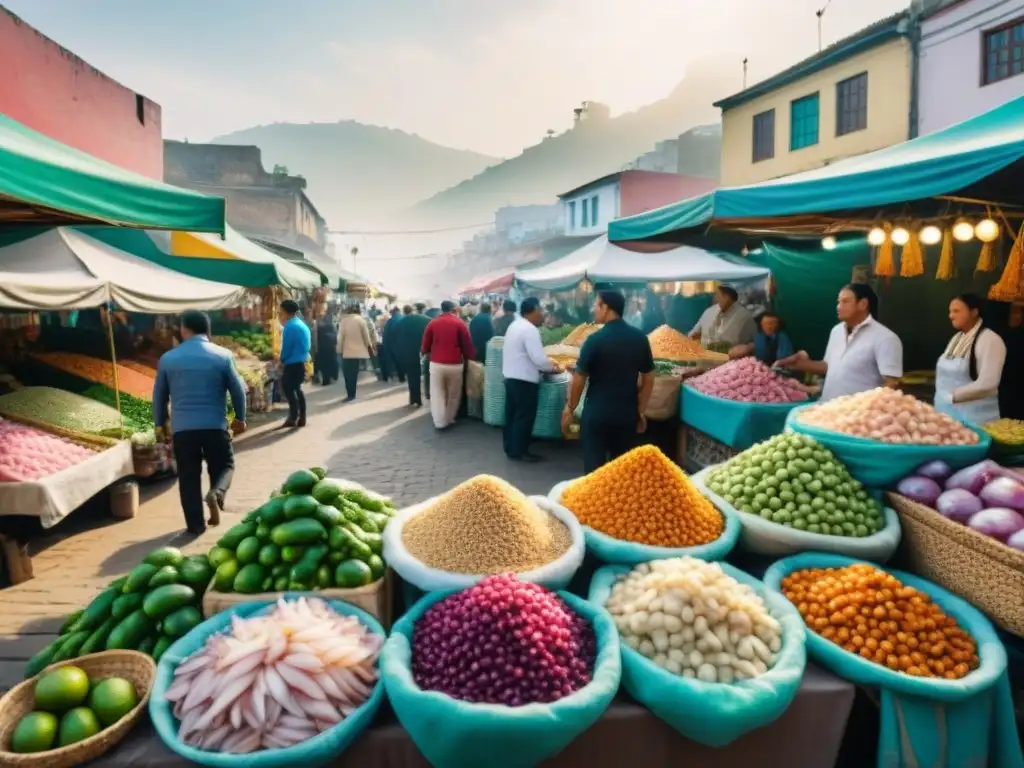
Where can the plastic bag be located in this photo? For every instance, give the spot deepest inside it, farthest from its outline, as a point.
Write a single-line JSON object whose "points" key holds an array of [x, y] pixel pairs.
{"points": [[763, 537], [555, 575], [928, 722], [714, 714], [738, 425], [320, 750], [457, 734], [618, 552], [882, 465]]}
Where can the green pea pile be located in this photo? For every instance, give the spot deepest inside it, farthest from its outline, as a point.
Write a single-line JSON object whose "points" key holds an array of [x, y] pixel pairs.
{"points": [[795, 482]]}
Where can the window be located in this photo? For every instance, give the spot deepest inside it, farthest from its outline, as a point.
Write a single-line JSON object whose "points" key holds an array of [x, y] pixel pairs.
{"points": [[584, 213], [572, 214], [852, 104], [803, 122], [593, 211], [764, 136], [1003, 54]]}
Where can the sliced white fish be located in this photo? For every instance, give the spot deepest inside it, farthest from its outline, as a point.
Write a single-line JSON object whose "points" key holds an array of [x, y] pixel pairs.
{"points": [[226, 697], [300, 681]]}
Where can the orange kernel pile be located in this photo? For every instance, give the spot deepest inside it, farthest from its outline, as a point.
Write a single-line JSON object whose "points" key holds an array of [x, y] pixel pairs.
{"points": [[873, 614], [644, 498]]}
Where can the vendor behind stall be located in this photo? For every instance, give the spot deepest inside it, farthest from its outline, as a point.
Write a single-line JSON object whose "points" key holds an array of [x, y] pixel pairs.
{"points": [[728, 322], [861, 354], [967, 374], [770, 344]]}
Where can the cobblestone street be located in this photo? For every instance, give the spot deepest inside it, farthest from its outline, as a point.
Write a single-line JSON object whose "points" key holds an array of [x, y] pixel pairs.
{"points": [[376, 440]]}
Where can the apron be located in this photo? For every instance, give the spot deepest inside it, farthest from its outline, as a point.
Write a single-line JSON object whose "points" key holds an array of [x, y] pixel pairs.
{"points": [[950, 375]]}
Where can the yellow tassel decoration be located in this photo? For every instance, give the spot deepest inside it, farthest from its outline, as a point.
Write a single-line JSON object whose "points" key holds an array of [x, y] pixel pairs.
{"points": [[987, 258], [946, 260], [1011, 285], [884, 264], [911, 258]]}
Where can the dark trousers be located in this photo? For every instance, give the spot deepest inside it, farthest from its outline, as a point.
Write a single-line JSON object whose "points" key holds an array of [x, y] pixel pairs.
{"points": [[350, 373], [413, 378], [520, 412], [191, 449], [291, 386], [603, 440]]}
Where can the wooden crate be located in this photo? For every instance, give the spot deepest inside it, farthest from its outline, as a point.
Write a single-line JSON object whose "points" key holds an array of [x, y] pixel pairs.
{"points": [[374, 598]]}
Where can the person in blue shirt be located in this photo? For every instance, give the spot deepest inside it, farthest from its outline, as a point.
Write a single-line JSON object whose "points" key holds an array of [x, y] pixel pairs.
{"points": [[770, 344], [196, 377], [295, 344]]}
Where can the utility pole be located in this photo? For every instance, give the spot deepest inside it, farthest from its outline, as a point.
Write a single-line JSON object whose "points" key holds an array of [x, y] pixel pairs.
{"points": [[819, 13]]}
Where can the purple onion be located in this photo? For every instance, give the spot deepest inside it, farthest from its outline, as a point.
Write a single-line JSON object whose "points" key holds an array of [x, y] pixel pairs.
{"points": [[937, 470], [1004, 492], [998, 522], [503, 641], [976, 476], [958, 505], [923, 490]]}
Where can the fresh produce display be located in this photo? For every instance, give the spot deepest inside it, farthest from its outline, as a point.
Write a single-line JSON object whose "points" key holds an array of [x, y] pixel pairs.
{"points": [[316, 533], [669, 344], [146, 610], [100, 372], [1006, 431], [70, 708], [888, 416], [549, 336], [47, 405], [138, 413], [748, 380], [485, 526], [579, 334], [145, 370], [258, 343], [27, 453], [645, 498], [275, 680], [792, 480], [985, 497], [503, 641], [873, 614], [694, 620]]}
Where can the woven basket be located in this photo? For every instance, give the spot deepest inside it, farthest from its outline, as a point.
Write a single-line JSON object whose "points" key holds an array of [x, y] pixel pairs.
{"points": [[984, 572], [138, 668]]}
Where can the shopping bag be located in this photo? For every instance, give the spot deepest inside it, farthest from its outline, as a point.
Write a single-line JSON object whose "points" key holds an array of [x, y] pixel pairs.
{"points": [[714, 714]]}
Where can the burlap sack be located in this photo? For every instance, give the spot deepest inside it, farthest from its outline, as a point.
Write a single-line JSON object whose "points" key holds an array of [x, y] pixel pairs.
{"points": [[664, 402], [475, 380]]}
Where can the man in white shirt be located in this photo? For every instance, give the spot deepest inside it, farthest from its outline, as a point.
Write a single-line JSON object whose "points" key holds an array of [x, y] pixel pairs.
{"points": [[727, 322], [861, 354], [523, 362]]}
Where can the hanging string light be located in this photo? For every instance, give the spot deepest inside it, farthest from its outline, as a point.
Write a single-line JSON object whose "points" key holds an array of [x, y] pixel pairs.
{"points": [[986, 230], [876, 236], [900, 236], [946, 260], [930, 235], [829, 243], [963, 231]]}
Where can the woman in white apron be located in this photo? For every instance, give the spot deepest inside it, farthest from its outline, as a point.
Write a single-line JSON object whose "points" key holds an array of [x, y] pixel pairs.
{"points": [[967, 374]]}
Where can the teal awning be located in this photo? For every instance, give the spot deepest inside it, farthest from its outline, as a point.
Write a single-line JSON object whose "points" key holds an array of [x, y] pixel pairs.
{"points": [[976, 160], [45, 182]]}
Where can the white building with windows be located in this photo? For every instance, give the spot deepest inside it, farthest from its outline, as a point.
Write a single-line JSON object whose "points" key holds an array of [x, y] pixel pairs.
{"points": [[588, 209], [970, 59]]}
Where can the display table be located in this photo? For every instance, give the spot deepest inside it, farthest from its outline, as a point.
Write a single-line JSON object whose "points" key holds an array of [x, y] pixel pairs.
{"points": [[53, 498], [808, 735]]}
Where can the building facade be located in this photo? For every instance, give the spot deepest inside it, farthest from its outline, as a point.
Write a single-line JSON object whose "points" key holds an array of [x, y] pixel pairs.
{"points": [[588, 209], [47, 88], [970, 59], [850, 98]]}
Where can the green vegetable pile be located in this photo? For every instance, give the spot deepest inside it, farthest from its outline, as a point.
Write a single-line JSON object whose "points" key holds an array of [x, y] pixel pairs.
{"points": [[61, 409], [795, 482], [147, 610], [549, 336], [138, 413], [257, 342], [316, 533]]}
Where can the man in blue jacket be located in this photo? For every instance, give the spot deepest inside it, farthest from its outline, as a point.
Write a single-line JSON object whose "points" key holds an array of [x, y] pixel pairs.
{"points": [[295, 344], [196, 377]]}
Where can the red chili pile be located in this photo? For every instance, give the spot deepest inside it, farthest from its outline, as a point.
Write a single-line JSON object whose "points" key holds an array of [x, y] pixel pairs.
{"points": [[503, 641]]}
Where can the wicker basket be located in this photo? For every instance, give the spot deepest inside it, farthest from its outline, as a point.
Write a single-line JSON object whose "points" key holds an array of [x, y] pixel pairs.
{"points": [[984, 572], [136, 667]]}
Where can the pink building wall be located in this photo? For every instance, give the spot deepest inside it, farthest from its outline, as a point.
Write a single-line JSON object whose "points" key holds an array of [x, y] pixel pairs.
{"points": [[49, 89], [641, 191]]}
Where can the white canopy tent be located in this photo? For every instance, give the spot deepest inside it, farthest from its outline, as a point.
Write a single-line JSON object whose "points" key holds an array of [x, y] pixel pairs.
{"points": [[601, 261], [64, 269]]}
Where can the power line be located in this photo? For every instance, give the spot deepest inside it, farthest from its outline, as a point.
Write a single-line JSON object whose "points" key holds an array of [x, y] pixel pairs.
{"points": [[410, 231]]}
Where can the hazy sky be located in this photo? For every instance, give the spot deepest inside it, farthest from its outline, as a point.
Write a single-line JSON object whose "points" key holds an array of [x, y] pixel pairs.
{"points": [[488, 75]]}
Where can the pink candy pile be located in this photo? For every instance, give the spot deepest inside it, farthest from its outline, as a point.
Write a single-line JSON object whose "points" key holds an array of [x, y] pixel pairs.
{"points": [[27, 453], [748, 380]]}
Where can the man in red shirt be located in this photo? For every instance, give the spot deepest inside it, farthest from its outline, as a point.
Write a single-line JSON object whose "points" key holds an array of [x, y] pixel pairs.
{"points": [[446, 340]]}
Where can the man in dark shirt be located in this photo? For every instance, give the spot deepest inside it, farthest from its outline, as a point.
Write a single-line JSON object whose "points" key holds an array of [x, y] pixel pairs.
{"points": [[508, 316], [407, 339], [612, 361], [481, 329]]}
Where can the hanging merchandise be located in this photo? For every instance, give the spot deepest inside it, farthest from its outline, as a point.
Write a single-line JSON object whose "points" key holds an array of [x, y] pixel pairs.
{"points": [[947, 261], [1011, 285], [884, 264], [912, 259], [987, 258]]}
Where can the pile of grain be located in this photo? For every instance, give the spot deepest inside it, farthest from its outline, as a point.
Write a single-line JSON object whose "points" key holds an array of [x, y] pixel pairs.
{"points": [[580, 333], [485, 526], [669, 344]]}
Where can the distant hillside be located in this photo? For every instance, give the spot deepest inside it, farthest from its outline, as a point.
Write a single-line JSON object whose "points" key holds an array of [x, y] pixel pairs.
{"points": [[592, 149], [359, 173]]}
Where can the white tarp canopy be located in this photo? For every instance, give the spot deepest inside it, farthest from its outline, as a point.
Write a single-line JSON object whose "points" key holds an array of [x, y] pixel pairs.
{"points": [[62, 269], [601, 261]]}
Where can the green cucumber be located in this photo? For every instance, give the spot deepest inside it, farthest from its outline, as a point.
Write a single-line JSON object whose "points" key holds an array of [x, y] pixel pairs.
{"points": [[70, 620], [296, 507], [377, 567], [118, 584], [165, 600], [324, 577], [304, 573], [329, 516], [69, 648], [292, 554], [139, 578], [374, 541], [248, 550], [272, 513], [219, 555], [126, 604], [96, 612], [352, 574], [249, 580], [300, 482], [97, 641], [262, 532], [130, 631], [164, 556], [235, 535], [167, 574], [280, 583], [269, 556], [336, 540], [43, 658], [162, 644], [224, 578], [303, 530], [196, 571], [182, 621]]}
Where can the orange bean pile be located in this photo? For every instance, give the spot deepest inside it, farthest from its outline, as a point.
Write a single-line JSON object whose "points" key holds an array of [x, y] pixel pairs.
{"points": [[873, 614], [100, 372], [643, 497]]}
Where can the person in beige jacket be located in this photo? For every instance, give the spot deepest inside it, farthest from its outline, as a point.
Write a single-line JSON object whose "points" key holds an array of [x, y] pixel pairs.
{"points": [[354, 346]]}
